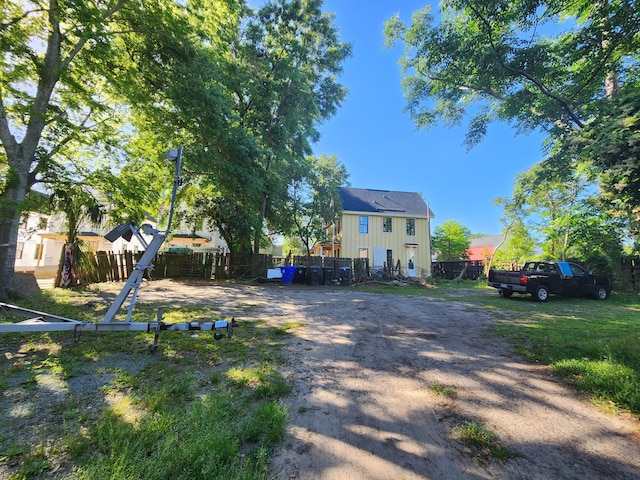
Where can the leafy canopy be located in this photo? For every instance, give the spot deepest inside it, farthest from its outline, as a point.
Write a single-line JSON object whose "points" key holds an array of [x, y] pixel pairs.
{"points": [[566, 68], [450, 241]]}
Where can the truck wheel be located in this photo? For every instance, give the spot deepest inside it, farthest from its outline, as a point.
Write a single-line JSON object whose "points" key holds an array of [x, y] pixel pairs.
{"points": [[601, 293], [541, 294], [505, 293]]}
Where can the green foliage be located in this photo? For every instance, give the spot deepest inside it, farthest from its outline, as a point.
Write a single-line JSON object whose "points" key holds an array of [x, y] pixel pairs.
{"points": [[565, 68], [450, 241], [70, 77], [613, 145], [284, 85], [513, 61], [242, 90], [443, 390], [293, 245], [554, 203], [314, 200], [518, 247]]}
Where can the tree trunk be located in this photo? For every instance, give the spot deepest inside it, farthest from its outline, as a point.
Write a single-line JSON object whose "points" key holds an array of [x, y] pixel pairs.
{"points": [[462, 274], [11, 200], [258, 233], [8, 243]]}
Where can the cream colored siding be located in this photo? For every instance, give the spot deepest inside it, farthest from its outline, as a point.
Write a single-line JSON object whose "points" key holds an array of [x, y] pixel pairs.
{"points": [[397, 240]]}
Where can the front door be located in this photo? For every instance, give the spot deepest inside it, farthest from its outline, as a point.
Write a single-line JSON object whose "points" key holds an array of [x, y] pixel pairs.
{"points": [[411, 262]]}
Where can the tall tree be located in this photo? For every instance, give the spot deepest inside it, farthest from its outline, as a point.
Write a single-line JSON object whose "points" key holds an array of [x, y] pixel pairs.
{"points": [[544, 65], [284, 86], [314, 200], [563, 212], [550, 198], [451, 240], [612, 143], [58, 67]]}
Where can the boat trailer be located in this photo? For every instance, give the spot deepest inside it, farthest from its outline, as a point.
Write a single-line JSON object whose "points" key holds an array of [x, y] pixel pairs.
{"points": [[45, 322]]}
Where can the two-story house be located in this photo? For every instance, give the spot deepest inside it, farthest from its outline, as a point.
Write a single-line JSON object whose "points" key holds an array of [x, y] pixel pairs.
{"points": [[389, 228]]}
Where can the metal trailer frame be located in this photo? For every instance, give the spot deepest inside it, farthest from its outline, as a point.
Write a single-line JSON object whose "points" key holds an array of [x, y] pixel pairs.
{"points": [[44, 322]]}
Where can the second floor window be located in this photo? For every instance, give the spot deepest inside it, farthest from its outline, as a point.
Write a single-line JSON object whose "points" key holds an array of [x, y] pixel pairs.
{"points": [[411, 226], [386, 225], [364, 224]]}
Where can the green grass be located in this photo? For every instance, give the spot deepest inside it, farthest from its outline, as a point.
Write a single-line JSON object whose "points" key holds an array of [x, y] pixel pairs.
{"points": [[482, 441], [196, 408], [446, 391], [592, 344]]}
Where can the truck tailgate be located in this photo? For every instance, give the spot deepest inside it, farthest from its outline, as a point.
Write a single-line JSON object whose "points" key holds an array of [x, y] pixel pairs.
{"points": [[504, 276]]}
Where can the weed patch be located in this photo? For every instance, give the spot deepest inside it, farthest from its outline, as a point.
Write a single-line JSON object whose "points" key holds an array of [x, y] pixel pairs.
{"points": [[482, 442]]}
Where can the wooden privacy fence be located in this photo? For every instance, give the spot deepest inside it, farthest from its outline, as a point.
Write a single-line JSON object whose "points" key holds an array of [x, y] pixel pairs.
{"points": [[111, 267], [628, 279], [471, 269]]}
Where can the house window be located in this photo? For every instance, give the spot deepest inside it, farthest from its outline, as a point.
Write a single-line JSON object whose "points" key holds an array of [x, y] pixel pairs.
{"points": [[363, 253], [364, 224], [19, 249], [386, 225], [390, 259], [38, 253], [42, 223], [411, 227]]}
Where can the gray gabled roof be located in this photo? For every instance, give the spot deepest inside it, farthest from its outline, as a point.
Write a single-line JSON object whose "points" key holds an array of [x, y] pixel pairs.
{"points": [[367, 200], [489, 240]]}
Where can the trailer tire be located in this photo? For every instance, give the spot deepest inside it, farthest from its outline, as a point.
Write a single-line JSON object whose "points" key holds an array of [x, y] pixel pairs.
{"points": [[601, 293], [505, 293], [541, 293]]}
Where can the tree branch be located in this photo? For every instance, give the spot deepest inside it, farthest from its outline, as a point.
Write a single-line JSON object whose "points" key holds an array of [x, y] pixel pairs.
{"points": [[521, 73], [7, 138]]}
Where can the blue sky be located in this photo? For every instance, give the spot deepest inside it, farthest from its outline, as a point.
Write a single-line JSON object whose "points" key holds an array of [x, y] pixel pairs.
{"points": [[381, 148]]}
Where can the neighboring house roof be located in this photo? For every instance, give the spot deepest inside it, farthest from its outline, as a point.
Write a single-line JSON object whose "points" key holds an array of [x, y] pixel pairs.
{"points": [[383, 201], [483, 247], [488, 241]]}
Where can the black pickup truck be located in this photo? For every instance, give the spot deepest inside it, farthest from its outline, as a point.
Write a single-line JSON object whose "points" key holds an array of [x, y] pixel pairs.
{"points": [[541, 279]]}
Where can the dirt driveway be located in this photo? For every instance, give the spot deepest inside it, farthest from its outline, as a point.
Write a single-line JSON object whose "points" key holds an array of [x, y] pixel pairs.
{"points": [[364, 407]]}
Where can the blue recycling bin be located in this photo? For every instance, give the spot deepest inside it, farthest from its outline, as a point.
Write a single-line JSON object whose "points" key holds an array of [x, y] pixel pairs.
{"points": [[287, 274]]}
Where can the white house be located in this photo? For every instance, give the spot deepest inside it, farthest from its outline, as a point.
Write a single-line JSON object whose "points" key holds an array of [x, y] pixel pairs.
{"points": [[41, 239]]}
